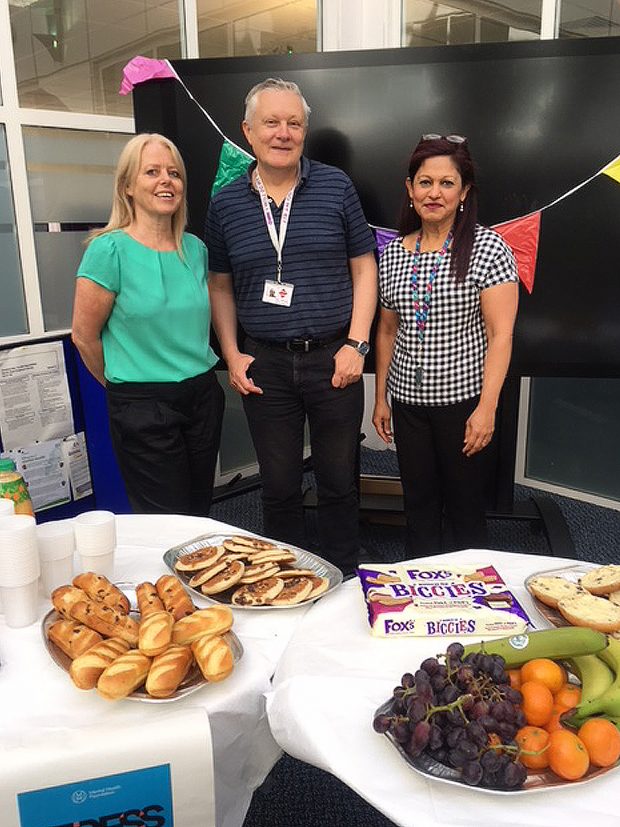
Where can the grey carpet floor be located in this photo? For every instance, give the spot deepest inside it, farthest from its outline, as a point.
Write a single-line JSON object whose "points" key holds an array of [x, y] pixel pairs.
{"points": [[296, 794]]}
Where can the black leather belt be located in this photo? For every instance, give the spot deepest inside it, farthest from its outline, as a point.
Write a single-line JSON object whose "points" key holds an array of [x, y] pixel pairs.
{"points": [[301, 345]]}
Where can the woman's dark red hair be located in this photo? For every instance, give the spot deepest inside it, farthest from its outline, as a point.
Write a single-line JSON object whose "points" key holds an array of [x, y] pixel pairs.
{"points": [[464, 222]]}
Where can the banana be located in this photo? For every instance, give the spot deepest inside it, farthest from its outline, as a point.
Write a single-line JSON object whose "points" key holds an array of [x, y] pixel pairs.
{"points": [[563, 642], [595, 676], [608, 703]]}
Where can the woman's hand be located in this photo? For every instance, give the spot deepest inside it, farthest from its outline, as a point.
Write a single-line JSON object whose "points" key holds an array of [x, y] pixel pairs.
{"points": [[238, 367], [478, 430], [382, 420]]}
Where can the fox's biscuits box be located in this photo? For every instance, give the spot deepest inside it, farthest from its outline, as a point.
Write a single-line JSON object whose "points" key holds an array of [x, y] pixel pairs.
{"points": [[405, 599]]}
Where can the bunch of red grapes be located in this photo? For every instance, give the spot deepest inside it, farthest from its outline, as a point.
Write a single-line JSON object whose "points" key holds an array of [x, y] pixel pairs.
{"points": [[463, 713]]}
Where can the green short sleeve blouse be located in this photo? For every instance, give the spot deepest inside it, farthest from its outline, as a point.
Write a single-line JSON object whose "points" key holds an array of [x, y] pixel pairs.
{"points": [[158, 330]]}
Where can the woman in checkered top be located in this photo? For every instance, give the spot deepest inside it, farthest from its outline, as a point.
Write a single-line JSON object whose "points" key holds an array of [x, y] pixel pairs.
{"points": [[449, 294]]}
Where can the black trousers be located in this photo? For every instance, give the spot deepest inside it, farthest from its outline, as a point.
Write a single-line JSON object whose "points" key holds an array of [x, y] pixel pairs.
{"points": [[297, 387], [166, 437], [442, 487]]}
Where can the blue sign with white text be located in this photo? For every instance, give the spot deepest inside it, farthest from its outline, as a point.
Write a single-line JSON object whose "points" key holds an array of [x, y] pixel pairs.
{"points": [[139, 798]]}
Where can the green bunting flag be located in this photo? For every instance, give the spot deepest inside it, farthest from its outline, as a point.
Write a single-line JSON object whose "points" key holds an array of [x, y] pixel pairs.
{"points": [[233, 163]]}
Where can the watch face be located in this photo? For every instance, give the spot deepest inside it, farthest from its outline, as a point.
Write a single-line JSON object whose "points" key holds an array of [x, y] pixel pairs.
{"points": [[363, 348]]}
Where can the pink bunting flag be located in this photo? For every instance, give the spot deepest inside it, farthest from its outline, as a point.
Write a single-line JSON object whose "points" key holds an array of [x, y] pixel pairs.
{"points": [[140, 69], [522, 236]]}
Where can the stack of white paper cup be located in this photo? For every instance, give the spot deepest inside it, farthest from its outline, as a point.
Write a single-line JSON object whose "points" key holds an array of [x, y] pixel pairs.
{"points": [[56, 543], [7, 507], [19, 569], [95, 541]]}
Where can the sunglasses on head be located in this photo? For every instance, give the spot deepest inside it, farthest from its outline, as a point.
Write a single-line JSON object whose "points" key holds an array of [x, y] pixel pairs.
{"points": [[454, 139]]}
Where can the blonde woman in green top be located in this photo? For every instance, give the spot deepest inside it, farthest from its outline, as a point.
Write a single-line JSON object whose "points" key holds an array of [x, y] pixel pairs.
{"points": [[141, 323]]}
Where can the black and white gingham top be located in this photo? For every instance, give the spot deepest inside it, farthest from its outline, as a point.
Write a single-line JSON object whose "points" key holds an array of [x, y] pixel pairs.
{"points": [[454, 340]]}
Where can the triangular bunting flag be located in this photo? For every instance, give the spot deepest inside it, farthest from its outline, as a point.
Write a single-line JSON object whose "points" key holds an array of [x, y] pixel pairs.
{"points": [[383, 238], [613, 170], [522, 235], [139, 69], [233, 163]]}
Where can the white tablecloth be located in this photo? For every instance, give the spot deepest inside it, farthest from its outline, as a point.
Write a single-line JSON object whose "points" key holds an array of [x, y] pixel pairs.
{"points": [[36, 694], [333, 676]]}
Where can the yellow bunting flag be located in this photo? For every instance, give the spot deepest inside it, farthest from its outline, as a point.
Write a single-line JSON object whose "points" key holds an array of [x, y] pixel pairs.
{"points": [[613, 170]]}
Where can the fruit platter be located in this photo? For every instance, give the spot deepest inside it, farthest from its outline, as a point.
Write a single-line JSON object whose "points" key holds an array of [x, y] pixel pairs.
{"points": [[514, 715]]}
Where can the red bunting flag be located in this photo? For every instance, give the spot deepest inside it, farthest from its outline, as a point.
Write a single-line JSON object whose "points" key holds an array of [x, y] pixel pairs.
{"points": [[522, 236]]}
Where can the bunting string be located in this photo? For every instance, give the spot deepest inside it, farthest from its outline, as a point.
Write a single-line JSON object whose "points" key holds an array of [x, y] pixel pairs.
{"points": [[521, 233]]}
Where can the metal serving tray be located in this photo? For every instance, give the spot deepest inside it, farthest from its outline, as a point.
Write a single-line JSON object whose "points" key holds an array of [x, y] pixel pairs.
{"points": [[193, 681], [304, 560]]}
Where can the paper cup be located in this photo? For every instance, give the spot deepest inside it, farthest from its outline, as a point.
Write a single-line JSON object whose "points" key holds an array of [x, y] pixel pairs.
{"points": [[7, 507], [20, 604], [95, 531], [56, 540], [99, 563], [19, 558], [55, 573]]}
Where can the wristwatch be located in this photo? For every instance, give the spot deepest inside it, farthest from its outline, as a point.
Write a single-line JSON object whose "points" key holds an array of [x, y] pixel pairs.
{"points": [[363, 348]]}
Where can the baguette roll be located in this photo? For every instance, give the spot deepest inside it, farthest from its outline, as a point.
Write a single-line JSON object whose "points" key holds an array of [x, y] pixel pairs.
{"points": [[65, 597], [174, 597], [202, 623], [106, 621], [86, 669], [155, 633], [99, 589], [124, 675], [72, 638], [214, 658], [149, 602], [168, 671]]}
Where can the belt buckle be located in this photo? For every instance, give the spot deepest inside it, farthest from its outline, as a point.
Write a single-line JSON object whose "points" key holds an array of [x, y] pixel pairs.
{"points": [[299, 345]]}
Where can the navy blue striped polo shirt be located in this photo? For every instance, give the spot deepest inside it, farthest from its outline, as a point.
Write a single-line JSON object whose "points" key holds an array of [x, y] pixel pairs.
{"points": [[326, 228]]}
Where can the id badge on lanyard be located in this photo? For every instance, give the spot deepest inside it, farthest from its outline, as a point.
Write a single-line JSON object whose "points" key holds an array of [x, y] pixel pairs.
{"points": [[276, 291]]}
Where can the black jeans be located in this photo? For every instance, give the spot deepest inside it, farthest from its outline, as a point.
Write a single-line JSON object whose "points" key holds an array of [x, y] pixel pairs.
{"points": [[166, 436], [438, 479], [297, 386]]}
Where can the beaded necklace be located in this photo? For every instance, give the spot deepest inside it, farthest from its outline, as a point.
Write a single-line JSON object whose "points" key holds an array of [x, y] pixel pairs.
{"points": [[422, 304]]}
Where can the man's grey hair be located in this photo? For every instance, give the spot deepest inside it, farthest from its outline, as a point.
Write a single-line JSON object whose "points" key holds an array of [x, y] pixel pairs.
{"points": [[278, 85]]}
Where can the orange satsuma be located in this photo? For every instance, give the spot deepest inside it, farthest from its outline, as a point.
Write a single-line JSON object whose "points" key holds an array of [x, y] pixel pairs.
{"points": [[537, 703], [568, 756], [533, 743], [515, 678], [544, 670], [602, 741], [568, 697]]}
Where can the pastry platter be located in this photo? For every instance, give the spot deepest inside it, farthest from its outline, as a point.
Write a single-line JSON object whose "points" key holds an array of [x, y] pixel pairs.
{"points": [[193, 681], [304, 560]]}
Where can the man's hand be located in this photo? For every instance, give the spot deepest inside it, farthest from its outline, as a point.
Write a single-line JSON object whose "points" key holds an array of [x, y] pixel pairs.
{"points": [[237, 374], [348, 367]]}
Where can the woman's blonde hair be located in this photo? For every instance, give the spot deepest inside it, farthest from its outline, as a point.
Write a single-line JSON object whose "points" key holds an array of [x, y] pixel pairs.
{"points": [[123, 213]]}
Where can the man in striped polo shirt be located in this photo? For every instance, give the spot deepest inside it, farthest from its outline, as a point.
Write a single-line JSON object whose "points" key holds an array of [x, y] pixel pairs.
{"points": [[292, 260]]}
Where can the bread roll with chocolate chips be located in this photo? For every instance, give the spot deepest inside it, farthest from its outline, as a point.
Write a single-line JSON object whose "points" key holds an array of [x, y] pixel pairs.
{"points": [[65, 597], [72, 638], [149, 602], [99, 589], [106, 621], [174, 597]]}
